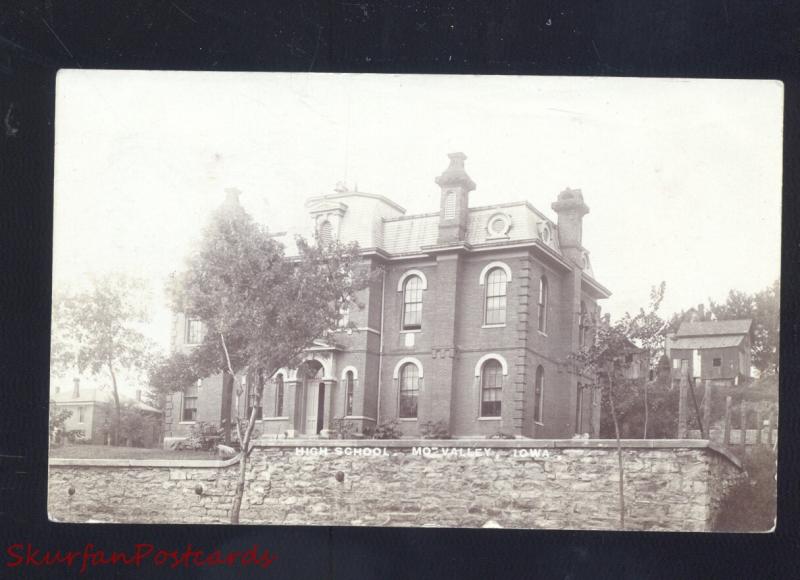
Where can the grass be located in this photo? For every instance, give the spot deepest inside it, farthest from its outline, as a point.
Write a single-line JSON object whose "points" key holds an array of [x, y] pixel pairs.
{"points": [[110, 452], [751, 505]]}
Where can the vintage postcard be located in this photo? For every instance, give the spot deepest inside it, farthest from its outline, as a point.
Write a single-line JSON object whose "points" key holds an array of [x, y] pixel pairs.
{"points": [[416, 300]]}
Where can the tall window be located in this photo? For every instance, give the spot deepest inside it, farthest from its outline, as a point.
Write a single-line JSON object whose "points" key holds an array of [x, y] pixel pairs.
{"points": [[325, 233], [543, 296], [80, 414], [409, 391], [190, 404], [279, 396], [538, 395], [412, 303], [491, 388], [496, 286], [253, 384], [582, 325], [579, 410], [194, 331], [349, 385]]}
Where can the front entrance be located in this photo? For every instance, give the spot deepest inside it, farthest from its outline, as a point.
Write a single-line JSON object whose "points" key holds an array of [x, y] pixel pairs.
{"points": [[314, 388]]}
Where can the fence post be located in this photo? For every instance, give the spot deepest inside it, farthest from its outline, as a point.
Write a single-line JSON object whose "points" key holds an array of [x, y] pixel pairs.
{"points": [[743, 425], [682, 406], [727, 439], [759, 426], [707, 410]]}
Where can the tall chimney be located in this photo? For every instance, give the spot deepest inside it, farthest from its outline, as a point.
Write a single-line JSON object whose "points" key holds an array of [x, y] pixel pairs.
{"points": [[76, 388], [570, 209], [454, 202]]}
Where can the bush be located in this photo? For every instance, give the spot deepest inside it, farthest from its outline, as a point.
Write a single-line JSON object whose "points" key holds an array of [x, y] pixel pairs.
{"points": [[437, 430], [751, 504], [202, 437], [500, 435], [344, 429], [388, 430]]}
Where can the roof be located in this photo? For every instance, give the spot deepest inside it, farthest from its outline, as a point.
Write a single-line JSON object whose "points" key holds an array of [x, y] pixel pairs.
{"points": [[714, 328], [89, 396], [700, 342]]}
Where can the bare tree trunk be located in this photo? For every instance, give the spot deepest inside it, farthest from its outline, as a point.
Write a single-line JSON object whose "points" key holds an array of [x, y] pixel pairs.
{"points": [[646, 411], [619, 451], [115, 392]]}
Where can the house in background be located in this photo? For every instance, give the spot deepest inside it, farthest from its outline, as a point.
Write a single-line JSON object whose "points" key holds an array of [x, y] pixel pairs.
{"points": [[92, 410], [718, 351], [469, 324]]}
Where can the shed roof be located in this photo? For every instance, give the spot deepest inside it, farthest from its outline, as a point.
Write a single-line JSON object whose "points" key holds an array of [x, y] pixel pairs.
{"points": [[715, 328], [699, 342]]}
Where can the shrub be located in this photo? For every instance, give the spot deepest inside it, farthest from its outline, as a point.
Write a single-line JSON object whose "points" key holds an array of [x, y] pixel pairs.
{"points": [[202, 436], [501, 435], [437, 430], [388, 430], [344, 429]]}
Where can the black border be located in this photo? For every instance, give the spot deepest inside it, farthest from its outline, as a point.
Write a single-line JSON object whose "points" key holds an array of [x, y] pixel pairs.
{"points": [[677, 38]]}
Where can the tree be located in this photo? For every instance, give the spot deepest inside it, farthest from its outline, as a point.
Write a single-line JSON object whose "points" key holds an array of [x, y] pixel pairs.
{"points": [[261, 309], [97, 330], [604, 361]]}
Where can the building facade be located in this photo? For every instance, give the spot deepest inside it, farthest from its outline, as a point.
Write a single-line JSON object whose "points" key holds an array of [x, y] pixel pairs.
{"points": [[469, 324], [712, 350]]}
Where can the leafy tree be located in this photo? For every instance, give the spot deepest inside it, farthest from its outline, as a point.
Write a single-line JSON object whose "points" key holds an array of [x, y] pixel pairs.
{"points": [[262, 310], [58, 419], [97, 330], [604, 362]]}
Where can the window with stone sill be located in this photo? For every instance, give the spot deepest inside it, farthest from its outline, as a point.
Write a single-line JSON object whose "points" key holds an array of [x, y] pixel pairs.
{"points": [[409, 391], [189, 411], [412, 303], [495, 300], [491, 388]]}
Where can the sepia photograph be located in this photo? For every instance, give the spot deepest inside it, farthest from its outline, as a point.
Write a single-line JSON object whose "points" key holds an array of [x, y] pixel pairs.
{"points": [[380, 300]]}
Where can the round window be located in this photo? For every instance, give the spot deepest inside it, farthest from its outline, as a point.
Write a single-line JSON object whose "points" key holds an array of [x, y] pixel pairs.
{"points": [[546, 234], [498, 225]]}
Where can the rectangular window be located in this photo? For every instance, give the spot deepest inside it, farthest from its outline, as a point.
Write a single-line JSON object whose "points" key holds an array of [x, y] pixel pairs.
{"points": [[409, 391], [194, 331], [252, 395], [579, 410], [190, 404], [717, 362], [80, 414], [491, 389], [676, 363]]}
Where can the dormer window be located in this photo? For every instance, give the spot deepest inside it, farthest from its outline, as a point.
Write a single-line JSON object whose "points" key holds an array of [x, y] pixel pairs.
{"points": [[498, 226]]}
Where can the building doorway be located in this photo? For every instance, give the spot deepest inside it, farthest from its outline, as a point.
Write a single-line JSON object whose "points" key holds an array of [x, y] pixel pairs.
{"points": [[314, 397]]}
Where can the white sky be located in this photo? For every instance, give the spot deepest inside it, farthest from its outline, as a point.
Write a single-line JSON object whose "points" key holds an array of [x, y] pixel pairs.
{"points": [[683, 177]]}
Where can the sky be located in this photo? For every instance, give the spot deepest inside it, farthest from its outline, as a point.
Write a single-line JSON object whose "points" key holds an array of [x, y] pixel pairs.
{"points": [[683, 177]]}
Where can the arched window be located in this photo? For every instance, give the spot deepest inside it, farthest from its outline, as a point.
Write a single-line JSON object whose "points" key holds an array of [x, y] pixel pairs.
{"points": [[325, 233], [491, 388], [409, 391], [279, 396], [582, 325], [349, 385], [449, 205], [412, 303], [496, 287], [251, 385], [543, 297], [538, 395]]}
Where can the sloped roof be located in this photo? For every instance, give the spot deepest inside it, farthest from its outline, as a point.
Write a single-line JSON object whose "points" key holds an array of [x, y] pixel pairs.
{"points": [[699, 342], [89, 395], [714, 327], [409, 234]]}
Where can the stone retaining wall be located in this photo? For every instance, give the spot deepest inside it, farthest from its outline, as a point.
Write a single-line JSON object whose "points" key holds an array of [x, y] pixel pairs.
{"points": [[669, 485]]}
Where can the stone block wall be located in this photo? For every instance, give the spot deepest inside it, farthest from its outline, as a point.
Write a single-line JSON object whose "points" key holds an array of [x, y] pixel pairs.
{"points": [[555, 484]]}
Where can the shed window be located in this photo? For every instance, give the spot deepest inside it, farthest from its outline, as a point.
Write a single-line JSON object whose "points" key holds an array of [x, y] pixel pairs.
{"points": [[717, 362]]}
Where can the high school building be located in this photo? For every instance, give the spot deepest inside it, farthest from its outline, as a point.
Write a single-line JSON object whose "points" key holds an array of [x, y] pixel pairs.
{"points": [[469, 326]]}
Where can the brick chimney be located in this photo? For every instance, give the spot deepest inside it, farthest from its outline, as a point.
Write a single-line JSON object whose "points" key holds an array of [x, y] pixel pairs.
{"points": [[454, 203], [76, 388], [570, 209]]}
